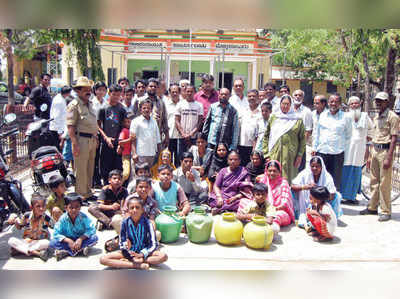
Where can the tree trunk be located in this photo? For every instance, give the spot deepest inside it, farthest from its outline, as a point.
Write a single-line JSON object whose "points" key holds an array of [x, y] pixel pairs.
{"points": [[390, 75], [10, 70], [367, 84]]}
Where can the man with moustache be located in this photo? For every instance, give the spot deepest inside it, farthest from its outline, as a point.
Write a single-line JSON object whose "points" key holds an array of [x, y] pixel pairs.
{"points": [[332, 137], [82, 129], [357, 153], [207, 95], [222, 123], [380, 161]]}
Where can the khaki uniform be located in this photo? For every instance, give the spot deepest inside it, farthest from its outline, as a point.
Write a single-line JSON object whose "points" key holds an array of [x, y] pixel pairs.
{"points": [[83, 118], [385, 126]]}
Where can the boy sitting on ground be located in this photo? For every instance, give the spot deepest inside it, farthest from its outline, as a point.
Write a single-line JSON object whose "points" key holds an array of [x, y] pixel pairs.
{"points": [[258, 206], [74, 232], [169, 193], [35, 240], [55, 202], [138, 242], [109, 202]]}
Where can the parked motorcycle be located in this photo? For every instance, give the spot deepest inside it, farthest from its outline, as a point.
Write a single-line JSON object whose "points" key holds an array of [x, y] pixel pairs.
{"points": [[46, 159], [12, 199]]}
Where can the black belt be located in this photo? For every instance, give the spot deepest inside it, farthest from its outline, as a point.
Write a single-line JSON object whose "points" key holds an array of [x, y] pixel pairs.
{"points": [[381, 146], [86, 135]]}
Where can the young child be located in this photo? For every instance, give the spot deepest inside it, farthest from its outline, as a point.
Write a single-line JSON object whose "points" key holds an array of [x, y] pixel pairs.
{"points": [[216, 161], [145, 129], [169, 193], [138, 242], [109, 202], [55, 202], [321, 216], [35, 240], [124, 149], [266, 109], [259, 205], [150, 210], [74, 232], [141, 169], [165, 158]]}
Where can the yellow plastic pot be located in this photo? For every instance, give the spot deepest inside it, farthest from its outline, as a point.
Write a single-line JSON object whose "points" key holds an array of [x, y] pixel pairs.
{"points": [[228, 230], [258, 234]]}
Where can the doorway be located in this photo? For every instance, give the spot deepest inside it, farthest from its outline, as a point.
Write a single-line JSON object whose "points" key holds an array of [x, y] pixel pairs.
{"points": [[149, 74], [228, 78]]}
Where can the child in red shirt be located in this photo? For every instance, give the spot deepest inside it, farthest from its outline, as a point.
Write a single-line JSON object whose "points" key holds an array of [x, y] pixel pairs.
{"points": [[124, 149]]}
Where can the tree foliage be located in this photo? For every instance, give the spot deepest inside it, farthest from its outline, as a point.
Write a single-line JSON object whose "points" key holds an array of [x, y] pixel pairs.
{"points": [[350, 57]]}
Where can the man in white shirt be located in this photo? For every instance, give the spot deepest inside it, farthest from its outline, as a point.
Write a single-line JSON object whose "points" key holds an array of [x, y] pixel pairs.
{"points": [[58, 112], [320, 103], [140, 94], [306, 115], [332, 138], [248, 127], [171, 104], [239, 100]]}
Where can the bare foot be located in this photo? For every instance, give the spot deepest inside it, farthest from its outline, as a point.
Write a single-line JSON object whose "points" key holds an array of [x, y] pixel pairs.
{"points": [[144, 266]]}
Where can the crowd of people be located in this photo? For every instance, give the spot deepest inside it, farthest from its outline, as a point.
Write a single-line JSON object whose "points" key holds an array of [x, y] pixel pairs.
{"points": [[149, 147]]}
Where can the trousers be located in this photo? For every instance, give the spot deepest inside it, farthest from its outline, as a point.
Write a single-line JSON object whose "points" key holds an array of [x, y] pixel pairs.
{"points": [[334, 165], [84, 166], [25, 247], [381, 183], [59, 245]]}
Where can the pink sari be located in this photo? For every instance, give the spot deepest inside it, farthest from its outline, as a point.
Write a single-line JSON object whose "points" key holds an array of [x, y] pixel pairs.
{"points": [[279, 195]]}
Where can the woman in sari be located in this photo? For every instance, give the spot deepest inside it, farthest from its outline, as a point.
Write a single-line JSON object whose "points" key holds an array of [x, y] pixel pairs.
{"points": [[314, 175], [165, 157], [231, 185], [284, 138], [256, 165], [279, 193]]}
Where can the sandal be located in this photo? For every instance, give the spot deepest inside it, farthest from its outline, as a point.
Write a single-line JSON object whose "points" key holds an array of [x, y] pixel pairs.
{"points": [[112, 244]]}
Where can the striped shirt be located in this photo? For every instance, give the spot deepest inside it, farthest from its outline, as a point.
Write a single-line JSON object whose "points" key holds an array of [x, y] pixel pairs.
{"points": [[141, 236]]}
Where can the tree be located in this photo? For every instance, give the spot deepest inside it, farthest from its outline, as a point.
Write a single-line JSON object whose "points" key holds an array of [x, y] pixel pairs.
{"points": [[361, 58]]}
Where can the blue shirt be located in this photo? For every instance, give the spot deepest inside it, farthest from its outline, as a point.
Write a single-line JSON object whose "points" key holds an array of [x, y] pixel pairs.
{"points": [[216, 116], [141, 236], [332, 133], [64, 228]]}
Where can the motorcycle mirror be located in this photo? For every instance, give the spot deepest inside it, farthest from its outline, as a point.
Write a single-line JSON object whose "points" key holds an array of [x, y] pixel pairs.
{"points": [[9, 118], [43, 107]]}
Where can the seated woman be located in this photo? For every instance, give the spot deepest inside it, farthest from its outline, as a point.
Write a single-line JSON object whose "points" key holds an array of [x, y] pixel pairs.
{"points": [[165, 158], [215, 161], [279, 194], [315, 174], [231, 185], [200, 152], [256, 166]]}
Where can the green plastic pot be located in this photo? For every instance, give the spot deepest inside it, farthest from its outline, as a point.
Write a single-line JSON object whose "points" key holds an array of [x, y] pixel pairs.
{"points": [[169, 224], [199, 225]]}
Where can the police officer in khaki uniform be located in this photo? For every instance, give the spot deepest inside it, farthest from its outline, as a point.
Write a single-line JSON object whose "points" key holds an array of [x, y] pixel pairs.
{"points": [[82, 129], [384, 137]]}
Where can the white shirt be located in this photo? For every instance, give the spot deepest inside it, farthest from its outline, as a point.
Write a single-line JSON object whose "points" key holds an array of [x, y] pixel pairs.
{"points": [[58, 111], [129, 110], [332, 223], [147, 136], [248, 128], [97, 105], [241, 105], [306, 116], [171, 109], [190, 112]]}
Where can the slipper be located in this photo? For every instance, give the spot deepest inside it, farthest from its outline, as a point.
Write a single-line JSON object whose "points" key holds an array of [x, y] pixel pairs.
{"points": [[112, 244]]}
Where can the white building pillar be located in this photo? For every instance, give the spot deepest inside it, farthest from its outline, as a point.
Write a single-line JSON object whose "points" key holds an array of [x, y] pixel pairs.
{"points": [[254, 76]]}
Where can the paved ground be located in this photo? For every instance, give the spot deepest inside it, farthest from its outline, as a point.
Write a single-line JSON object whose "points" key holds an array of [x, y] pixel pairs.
{"points": [[361, 243]]}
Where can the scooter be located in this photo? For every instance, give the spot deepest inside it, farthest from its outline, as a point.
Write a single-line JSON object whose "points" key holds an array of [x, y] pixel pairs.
{"points": [[12, 199], [46, 159]]}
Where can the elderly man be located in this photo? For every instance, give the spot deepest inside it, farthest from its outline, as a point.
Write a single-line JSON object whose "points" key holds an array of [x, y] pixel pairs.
{"points": [[306, 115], [357, 152], [380, 161], [207, 95], [222, 123], [320, 103], [239, 100], [332, 138], [82, 129]]}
